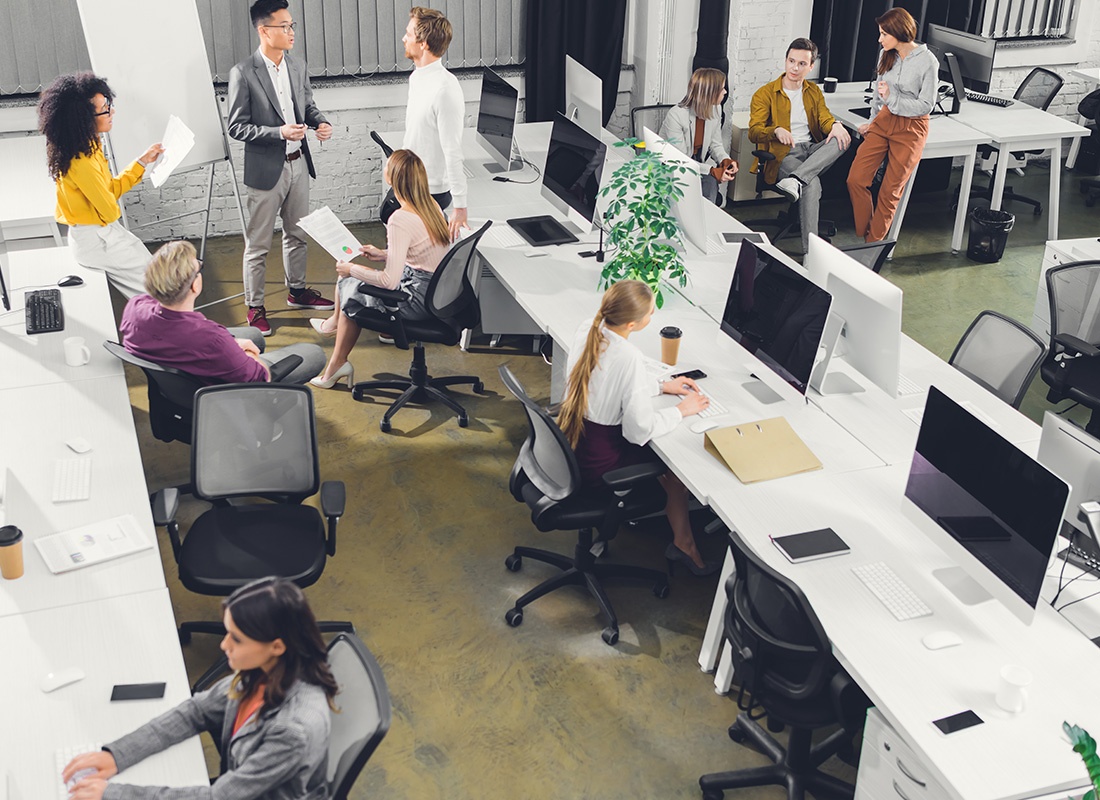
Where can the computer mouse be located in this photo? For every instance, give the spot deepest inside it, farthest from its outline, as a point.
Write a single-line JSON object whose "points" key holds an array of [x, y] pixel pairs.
{"points": [[71, 280], [704, 425], [938, 640], [61, 677]]}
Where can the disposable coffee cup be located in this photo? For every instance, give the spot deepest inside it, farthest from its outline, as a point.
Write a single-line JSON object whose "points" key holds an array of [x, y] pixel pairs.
{"points": [[670, 345], [11, 552], [828, 85], [1012, 688], [77, 353]]}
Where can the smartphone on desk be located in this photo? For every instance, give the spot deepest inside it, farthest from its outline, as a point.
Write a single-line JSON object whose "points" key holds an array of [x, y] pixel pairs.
{"points": [[694, 374], [137, 691]]}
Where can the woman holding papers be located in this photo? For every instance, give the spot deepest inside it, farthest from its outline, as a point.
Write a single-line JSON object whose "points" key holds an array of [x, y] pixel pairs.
{"points": [[271, 716], [72, 113], [417, 239], [608, 414]]}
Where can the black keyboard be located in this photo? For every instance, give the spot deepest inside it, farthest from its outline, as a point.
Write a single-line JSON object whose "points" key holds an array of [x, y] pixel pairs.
{"points": [[978, 97], [1082, 559], [44, 312]]}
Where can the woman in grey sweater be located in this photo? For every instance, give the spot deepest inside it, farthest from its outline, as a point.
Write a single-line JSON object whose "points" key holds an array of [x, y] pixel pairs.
{"points": [[272, 716], [903, 99]]}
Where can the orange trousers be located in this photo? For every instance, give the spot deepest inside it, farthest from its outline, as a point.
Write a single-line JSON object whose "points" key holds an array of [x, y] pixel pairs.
{"points": [[902, 138]]}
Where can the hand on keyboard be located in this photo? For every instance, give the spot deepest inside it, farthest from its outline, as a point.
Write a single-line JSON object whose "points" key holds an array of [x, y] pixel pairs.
{"points": [[83, 761]]}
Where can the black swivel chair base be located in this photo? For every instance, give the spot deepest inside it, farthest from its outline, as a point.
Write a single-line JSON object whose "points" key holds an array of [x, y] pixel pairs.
{"points": [[795, 767], [581, 570], [421, 388], [1091, 188]]}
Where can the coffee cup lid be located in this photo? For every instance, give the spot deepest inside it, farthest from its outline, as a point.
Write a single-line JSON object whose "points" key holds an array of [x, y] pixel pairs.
{"points": [[671, 332], [9, 534]]}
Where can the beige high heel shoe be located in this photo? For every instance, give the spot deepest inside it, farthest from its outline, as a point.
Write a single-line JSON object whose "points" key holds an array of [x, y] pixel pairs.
{"points": [[347, 371], [317, 322]]}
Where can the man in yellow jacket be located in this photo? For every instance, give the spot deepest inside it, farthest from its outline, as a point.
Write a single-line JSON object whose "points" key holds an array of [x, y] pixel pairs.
{"points": [[788, 118]]}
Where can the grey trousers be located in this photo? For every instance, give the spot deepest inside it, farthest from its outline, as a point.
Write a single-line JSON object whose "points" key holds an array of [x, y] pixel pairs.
{"points": [[289, 199], [807, 161], [313, 357]]}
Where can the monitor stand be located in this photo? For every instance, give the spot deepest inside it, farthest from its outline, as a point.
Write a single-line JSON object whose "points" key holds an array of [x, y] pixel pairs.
{"points": [[493, 168], [965, 589], [821, 380], [763, 393]]}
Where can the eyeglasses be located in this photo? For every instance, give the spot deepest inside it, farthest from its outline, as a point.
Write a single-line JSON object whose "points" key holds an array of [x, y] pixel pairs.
{"points": [[107, 109], [286, 27]]}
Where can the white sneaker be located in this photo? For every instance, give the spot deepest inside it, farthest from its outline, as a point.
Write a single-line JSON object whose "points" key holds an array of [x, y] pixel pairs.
{"points": [[790, 186]]}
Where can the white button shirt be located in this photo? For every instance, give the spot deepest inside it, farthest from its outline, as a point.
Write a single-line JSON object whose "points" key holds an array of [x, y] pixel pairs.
{"points": [[620, 391], [433, 128], [280, 79]]}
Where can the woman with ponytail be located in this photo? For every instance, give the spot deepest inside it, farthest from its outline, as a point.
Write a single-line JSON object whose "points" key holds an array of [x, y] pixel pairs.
{"points": [[417, 236], [608, 414]]}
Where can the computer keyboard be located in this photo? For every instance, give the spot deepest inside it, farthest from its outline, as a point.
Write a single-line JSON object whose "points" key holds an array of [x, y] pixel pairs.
{"points": [[978, 97], [72, 479], [891, 591], [714, 409], [469, 172], [907, 385], [714, 248], [63, 756], [503, 236], [43, 311]]}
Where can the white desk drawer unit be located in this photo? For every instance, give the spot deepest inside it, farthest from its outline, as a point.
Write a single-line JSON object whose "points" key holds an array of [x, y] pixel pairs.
{"points": [[888, 767]]}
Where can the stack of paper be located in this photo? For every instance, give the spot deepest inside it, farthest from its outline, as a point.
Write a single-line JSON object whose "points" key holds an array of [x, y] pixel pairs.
{"points": [[329, 232], [177, 142]]}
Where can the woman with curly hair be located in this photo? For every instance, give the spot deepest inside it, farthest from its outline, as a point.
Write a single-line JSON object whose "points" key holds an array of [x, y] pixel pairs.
{"points": [[72, 113]]}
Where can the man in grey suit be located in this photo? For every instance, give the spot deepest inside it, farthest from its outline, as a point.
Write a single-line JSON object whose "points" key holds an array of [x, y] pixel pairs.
{"points": [[270, 107]]}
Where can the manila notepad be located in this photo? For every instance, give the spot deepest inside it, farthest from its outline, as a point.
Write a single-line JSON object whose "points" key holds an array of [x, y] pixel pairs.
{"points": [[760, 451]]}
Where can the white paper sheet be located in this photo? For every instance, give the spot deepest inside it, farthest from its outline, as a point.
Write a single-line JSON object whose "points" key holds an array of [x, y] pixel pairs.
{"points": [[178, 141], [329, 232]]}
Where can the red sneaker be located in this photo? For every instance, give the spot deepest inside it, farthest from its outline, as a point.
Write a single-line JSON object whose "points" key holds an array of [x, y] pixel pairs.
{"points": [[308, 298], [257, 318]]}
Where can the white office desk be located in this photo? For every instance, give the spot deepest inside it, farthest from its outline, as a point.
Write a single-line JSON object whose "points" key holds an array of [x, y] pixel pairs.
{"points": [[39, 359], [31, 197], [118, 640]]}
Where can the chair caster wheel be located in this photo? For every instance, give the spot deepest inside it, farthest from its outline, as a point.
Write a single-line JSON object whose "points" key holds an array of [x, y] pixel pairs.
{"points": [[1039, 211], [185, 637], [463, 421], [661, 590], [479, 388], [356, 393], [736, 734], [385, 426], [713, 794], [610, 636], [514, 563], [514, 617]]}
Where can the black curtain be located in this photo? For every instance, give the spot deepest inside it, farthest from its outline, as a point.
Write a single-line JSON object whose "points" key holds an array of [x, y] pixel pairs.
{"points": [[711, 42], [590, 32]]}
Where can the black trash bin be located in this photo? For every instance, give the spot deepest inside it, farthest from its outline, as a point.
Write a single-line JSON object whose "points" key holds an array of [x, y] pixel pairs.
{"points": [[988, 234]]}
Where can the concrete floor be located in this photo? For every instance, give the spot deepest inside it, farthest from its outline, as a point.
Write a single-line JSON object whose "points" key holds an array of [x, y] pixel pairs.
{"points": [[546, 710]]}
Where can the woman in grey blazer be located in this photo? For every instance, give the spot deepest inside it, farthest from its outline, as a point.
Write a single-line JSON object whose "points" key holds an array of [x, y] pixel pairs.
{"points": [[702, 103], [272, 714]]}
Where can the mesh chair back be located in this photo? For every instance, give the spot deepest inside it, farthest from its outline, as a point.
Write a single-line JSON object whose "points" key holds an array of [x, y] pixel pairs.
{"points": [[1039, 88], [254, 439], [872, 255], [451, 295], [1074, 294], [364, 712], [652, 117], [546, 458], [1000, 354]]}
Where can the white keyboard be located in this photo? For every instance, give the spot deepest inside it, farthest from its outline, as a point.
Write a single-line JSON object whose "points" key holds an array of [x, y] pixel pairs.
{"points": [[62, 758], [469, 172], [503, 236], [891, 591], [72, 479], [907, 385], [714, 409]]}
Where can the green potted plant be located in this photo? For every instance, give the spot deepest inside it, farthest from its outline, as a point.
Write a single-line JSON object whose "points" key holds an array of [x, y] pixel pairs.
{"points": [[645, 237], [1085, 746]]}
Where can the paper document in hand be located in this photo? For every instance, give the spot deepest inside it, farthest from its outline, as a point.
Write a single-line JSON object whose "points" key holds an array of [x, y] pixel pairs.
{"points": [[177, 142], [329, 232]]}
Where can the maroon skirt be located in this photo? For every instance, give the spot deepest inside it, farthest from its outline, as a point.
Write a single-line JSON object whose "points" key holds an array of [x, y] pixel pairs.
{"points": [[602, 448]]}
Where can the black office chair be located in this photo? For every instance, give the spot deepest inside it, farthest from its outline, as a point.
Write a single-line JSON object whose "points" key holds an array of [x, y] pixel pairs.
{"points": [[786, 222], [1000, 354], [1072, 366], [784, 664], [252, 440], [1038, 89], [873, 254], [651, 116], [363, 713], [546, 477], [454, 306]]}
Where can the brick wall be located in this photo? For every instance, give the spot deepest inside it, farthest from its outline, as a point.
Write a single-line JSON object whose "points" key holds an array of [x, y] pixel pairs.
{"points": [[759, 34]]}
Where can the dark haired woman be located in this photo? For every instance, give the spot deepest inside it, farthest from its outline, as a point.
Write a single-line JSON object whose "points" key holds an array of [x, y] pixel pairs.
{"points": [[72, 113], [271, 715], [903, 99]]}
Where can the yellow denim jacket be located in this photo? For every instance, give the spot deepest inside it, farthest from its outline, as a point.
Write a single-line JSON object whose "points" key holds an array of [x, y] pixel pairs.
{"points": [[87, 194], [771, 108]]}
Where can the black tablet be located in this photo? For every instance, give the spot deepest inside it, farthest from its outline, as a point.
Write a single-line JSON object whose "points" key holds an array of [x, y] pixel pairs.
{"points": [[542, 231]]}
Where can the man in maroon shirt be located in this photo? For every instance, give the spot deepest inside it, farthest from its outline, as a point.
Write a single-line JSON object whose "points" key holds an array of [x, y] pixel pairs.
{"points": [[163, 327]]}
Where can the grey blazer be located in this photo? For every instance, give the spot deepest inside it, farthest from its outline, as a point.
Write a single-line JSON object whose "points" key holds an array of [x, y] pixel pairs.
{"points": [[255, 117], [280, 754], [679, 129]]}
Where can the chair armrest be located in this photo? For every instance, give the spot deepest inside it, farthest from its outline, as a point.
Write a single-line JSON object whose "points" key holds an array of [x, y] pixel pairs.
{"points": [[333, 498], [165, 504], [391, 297], [626, 477], [1076, 345], [986, 150], [283, 367], [763, 155]]}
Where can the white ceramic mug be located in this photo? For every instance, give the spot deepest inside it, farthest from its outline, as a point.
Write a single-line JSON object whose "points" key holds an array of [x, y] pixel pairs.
{"points": [[77, 353], [1012, 688]]}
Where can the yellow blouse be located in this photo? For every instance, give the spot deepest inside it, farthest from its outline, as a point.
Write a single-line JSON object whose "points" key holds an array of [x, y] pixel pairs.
{"points": [[87, 194]]}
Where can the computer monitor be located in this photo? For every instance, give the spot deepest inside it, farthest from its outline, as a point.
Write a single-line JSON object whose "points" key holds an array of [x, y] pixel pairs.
{"points": [[583, 96], [688, 210], [1074, 456], [974, 53], [864, 322], [995, 510], [574, 167], [496, 119], [776, 314]]}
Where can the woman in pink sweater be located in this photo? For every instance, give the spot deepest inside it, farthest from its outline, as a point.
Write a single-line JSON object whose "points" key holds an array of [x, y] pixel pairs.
{"points": [[417, 239]]}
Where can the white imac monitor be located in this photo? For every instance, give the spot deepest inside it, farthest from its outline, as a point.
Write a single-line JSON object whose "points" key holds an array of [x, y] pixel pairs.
{"points": [[689, 210], [990, 507], [865, 322], [583, 96], [496, 119], [1074, 456]]}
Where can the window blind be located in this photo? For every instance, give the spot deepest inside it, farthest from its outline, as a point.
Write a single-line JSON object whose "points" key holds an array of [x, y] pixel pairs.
{"points": [[1029, 19]]}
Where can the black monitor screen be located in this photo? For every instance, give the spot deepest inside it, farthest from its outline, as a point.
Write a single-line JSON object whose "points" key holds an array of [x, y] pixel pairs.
{"points": [[496, 116], [1001, 505], [776, 314], [574, 163], [974, 53]]}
